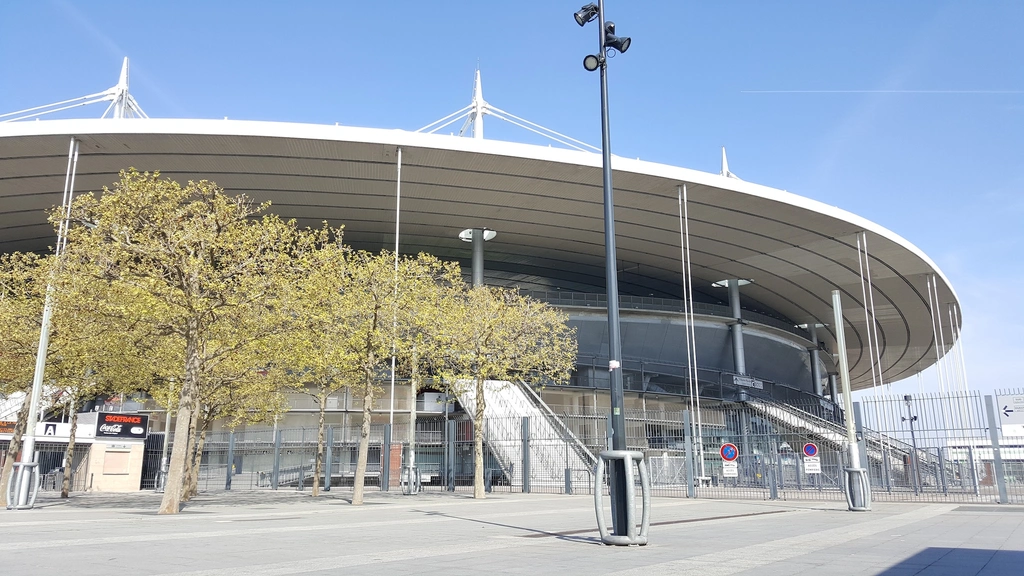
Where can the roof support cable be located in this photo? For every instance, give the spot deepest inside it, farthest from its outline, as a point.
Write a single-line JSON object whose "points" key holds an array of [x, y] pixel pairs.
{"points": [[887, 387], [433, 126], [394, 303], [960, 343], [865, 282], [961, 389], [942, 337], [882, 384], [935, 334], [691, 342]]}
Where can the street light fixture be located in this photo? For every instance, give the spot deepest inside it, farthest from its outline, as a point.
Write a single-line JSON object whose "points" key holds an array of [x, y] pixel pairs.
{"points": [[621, 470], [914, 467]]}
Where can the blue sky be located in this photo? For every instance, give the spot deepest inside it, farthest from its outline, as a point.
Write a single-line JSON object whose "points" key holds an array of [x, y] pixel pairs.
{"points": [[908, 113]]}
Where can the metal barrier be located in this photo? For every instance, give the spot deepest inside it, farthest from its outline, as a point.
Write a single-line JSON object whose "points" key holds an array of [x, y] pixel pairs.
{"points": [[631, 537], [16, 485]]}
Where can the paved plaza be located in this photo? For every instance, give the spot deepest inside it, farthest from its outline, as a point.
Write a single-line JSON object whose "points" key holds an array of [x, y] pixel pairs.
{"points": [[278, 533]]}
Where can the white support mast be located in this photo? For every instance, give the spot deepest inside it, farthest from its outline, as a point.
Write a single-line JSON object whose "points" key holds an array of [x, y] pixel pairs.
{"points": [[474, 121], [122, 103]]}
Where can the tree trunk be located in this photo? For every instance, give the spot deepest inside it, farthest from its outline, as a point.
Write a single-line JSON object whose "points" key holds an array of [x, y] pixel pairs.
{"points": [[171, 503], [190, 454], [69, 454], [14, 448], [478, 441], [364, 441], [320, 445], [192, 478]]}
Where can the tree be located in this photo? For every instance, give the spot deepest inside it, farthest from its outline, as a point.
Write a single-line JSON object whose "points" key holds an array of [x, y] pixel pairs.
{"points": [[22, 291], [500, 335], [313, 355], [192, 264], [368, 290], [93, 352], [429, 292]]}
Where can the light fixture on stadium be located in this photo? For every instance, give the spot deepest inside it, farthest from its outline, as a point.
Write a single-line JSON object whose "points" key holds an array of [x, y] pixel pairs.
{"points": [[586, 14]]}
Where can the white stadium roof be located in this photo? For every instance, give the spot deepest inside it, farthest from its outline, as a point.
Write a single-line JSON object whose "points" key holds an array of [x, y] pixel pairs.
{"points": [[546, 204]]}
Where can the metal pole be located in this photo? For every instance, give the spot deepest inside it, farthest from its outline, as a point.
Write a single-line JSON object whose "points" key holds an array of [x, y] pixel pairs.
{"points": [[618, 468], [385, 449], [858, 491], [231, 460], [738, 355], [688, 443], [815, 368], [526, 453], [997, 456], [162, 475], [394, 319], [328, 458], [24, 495], [276, 474], [478, 257], [914, 463]]}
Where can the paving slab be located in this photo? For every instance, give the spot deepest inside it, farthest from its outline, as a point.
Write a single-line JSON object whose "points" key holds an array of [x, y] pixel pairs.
{"points": [[271, 533]]}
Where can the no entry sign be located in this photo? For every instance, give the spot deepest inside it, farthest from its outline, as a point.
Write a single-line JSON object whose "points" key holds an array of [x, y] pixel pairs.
{"points": [[729, 452]]}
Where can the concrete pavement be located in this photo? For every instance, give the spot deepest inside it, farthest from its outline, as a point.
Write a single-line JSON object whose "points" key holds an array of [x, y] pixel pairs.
{"points": [[278, 533]]}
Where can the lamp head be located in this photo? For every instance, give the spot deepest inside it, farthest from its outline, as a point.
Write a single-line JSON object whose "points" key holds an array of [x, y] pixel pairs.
{"points": [[586, 14], [613, 41], [591, 62]]}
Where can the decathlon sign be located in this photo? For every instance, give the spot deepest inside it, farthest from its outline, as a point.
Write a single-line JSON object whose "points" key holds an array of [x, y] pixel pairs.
{"points": [[114, 425]]}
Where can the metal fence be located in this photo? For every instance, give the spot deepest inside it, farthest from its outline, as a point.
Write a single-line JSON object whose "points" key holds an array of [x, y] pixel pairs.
{"points": [[50, 456], [916, 448]]}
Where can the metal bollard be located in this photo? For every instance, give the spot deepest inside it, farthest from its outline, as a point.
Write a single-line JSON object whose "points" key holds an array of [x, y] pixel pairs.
{"points": [[858, 491], [631, 537], [23, 472], [411, 480]]}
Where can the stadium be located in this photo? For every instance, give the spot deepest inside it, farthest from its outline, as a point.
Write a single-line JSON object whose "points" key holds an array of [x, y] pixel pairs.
{"points": [[762, 262]]}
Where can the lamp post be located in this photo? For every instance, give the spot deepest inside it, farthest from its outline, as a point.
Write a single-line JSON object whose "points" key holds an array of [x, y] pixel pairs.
{"points": [[619, 477], [911, 418]]}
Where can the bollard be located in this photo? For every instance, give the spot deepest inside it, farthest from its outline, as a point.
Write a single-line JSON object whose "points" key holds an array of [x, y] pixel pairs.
{"points": [[411, 482], [23, 472], [631, 538]]}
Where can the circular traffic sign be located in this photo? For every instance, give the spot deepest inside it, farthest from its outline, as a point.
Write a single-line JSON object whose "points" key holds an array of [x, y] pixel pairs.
{"points": [[729, 452], [810, 449]]}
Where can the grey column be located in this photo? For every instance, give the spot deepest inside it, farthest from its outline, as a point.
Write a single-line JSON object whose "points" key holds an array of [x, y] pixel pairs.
{"points": [[738, 357], [815, 369], [385, 465], [231, 460], [997, 456], [478, 257], [832, 388], [526, 453], [328, 458]]}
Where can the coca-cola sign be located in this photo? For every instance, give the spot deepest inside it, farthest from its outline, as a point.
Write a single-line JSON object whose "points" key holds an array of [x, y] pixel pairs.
{"points": [[116, 425]]}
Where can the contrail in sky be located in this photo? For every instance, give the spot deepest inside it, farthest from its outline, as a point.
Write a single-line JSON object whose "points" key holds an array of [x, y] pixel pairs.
{"points": [[882, 91]]}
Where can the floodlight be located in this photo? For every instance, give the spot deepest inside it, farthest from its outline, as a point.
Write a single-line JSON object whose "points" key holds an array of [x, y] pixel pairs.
{"points": [[613, 41], [591, 62], [586, 14]]}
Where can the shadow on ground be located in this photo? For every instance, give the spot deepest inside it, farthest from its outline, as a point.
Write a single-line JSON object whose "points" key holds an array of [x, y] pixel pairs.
{"points": [[960, 561]]}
